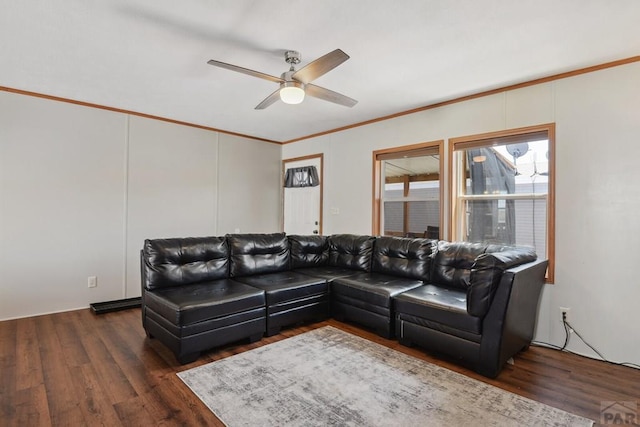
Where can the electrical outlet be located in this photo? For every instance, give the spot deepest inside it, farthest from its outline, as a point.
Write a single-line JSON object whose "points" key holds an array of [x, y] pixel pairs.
{"points": [[564, 313], [92, 282]]}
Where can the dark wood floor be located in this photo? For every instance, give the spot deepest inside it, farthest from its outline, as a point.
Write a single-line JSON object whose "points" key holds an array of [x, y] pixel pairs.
{"points": [[76, 368]]}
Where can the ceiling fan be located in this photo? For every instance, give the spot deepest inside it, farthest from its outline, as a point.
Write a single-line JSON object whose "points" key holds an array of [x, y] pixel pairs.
{"points": [[295, 84]]}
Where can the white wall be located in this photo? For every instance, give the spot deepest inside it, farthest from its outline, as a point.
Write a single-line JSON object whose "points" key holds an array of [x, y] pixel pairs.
{"points": [[597, 118], [61, 217], [81, 188], [249, 197], [171, 186]]}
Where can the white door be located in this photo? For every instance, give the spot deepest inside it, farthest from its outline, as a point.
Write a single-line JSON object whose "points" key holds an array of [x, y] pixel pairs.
{"points": [[302, 213]]}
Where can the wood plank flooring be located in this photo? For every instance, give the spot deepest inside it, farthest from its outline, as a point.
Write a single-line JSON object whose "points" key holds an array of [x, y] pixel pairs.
{"points": [[76, 368]]}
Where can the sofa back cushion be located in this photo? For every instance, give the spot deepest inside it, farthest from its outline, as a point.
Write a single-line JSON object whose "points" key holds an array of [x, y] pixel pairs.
{"points": [[175, 262], [258, 253], [452, 263], [308, 251], [351, 251], [403, 257], [486, 274]]}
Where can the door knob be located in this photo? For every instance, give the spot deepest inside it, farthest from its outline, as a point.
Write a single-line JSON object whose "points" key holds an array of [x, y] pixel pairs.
{"points": [[315, 231]]}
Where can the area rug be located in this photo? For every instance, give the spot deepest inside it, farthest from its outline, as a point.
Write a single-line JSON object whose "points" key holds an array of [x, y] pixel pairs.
{"points": [[328, 377]]}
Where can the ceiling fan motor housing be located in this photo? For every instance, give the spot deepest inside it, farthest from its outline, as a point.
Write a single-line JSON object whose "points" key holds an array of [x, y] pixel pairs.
{"points": [[292, 83], [288, 78]]}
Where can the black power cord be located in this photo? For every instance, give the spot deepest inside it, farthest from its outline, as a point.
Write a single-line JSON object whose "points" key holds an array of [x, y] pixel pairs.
{"points": [[566, 330], [567, 333]]}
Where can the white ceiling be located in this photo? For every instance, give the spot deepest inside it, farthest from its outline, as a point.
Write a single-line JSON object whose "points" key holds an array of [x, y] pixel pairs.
{"points": [[151, 56]]}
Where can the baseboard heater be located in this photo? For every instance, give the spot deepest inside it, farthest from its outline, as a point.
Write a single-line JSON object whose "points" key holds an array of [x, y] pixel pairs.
{"points": [[117, 305]]}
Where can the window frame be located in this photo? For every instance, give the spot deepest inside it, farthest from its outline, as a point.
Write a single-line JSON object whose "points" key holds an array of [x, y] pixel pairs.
{"points": [[457, 196], [378, 156]]}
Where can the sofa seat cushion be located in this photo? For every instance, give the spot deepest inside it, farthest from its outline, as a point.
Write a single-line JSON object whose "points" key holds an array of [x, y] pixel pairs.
{"points": [[373, 288], [328, 272], [219, 323], [286, 286], [189, 304], [440, 305]]}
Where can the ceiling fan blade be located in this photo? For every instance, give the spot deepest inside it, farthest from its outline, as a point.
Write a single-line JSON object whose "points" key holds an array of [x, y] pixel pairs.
{"points": [[320, 66], [329, 95], [245, 71], [269, 100]]}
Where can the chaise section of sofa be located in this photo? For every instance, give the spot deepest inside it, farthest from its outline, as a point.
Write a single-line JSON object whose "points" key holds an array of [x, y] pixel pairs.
{"points": [[188, 301]]}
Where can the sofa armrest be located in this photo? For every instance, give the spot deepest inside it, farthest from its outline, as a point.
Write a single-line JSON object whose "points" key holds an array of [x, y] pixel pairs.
{"points": [[509, 325], [486, 273]]}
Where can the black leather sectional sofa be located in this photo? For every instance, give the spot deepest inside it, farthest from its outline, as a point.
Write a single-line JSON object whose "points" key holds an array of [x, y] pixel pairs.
{"points": [[476, 303]]}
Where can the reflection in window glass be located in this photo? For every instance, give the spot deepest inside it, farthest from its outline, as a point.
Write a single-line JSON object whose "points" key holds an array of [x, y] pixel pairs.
{"points": [[504, 199], [411, 197]]}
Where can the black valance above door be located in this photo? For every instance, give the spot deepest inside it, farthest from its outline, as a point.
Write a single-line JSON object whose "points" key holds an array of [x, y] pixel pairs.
{"points": [[305, 176]]}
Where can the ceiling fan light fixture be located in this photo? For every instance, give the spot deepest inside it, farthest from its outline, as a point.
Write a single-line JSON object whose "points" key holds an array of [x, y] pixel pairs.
{"points": [[292, 92]]}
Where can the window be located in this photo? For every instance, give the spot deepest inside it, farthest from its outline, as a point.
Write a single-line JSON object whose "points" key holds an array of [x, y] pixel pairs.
{"points": [[503, 189], [407, 191]]}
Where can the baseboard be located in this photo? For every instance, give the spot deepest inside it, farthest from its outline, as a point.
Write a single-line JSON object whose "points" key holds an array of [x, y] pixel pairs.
{"points": [[117, 305], [46, 313]]}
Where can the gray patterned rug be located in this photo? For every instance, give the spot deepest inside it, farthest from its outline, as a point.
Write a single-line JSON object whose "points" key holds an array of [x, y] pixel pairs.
{"points": [[328, 377]]}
